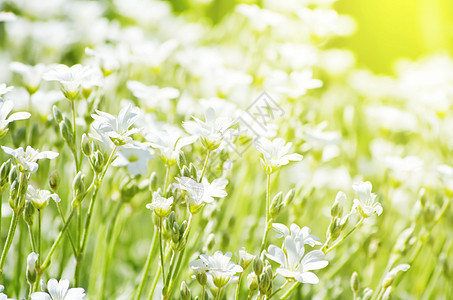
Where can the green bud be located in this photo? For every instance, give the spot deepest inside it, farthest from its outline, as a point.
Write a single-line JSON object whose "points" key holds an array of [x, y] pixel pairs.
{"points": [[78, 186], [86, 145], [289, 197], [403, 242], [276, 205], [367, 294], [166, 234], [175, 234], [257, 265], [181, 160], [68, 124], [54, 181], [57, 115], [268, 271], [184, 291], [193, 171], [202, 278], [185, 171], [67, 135], [128, 190], [12, 174], [98, 161], [373, 248], [252, 282], [387, 294], [4, 171], [183, 228], [13, 193], [153, 182], [430, 212], [210, 243], [355, 282], [422, 196], [263, 283], [334, 229], [172, 218], [29, 211]]}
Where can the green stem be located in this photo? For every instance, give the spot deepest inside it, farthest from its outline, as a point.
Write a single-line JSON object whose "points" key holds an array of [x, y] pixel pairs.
{"points": [[289, 292], [32, 239], [147, 266], [238, 287], [345, 236], [161, 252], [167, 180], [208, 154], [9, 239], [381, 293], [219, 291], [175, 273], [60, 211], [74, 152], [268, 218], [278, 290], [39, 237]]}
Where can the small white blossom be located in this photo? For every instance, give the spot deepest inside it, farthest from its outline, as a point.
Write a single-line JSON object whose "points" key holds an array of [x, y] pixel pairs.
{"points": [[300, 235], [366, 204], [59, 290], [169, 142], [153, 96], [294, 264], [219, 266], [160, 205], [5, 89], [275, 153], [3, 296], [31, 75], [27, 159], [135, 156], [40, 198], [31, 261], [117, 129], [212, 131], [5, 109], [202, 192], [70, 78]]}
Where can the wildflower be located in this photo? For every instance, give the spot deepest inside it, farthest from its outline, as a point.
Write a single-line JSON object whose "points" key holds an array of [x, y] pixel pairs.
{"points": [[293, 263], [31, 75], [40, 198], [135, 156], [117, 128], [3, 296], [202, 192], [27, 159], [5, 89], [220, 267], [59, 290], [70, 78], [169, 142], [212, 131], [390, 277], [300, 235], [245, 258], [275, 153], [153, 95], [293, 85], [365, 204], [5, 109], [160, 205]]}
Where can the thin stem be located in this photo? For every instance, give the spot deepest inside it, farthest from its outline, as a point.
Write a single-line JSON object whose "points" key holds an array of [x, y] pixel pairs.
{"points": [[381, 293], [9, 239], [147, 266], [345, 236], [219, 291], [279, 289], [161, 251], [39, 237], [238, 286], [32, 239], [289, 292], [75, 136], [1, 204], [203, 290], [268, 218], [60, 211], [175, 272], [208, 154], [167, 179]]}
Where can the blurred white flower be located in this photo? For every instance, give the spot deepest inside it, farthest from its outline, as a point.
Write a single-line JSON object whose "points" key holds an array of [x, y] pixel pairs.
{"points": [[70, 78], [275, 153], [153, 96], [219, 266], [293, 85], [5, 109], [6, 16], [117, 128], [3, 296], [202, 192], [294, 264], [40, 198], [299, 235], [59, 290], [31, 75], [366, 204], [135, 156], [31, 262], [169, 142], [5, 89], [318, 138], [212, 131], [27, 160], [160, 205]]}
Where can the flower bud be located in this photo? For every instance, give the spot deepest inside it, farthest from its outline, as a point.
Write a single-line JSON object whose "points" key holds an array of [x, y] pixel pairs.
{"points": [[263, 283], [153, 182], [257, 266], [28, 213], [54, 181], [373, 247], [276, 205], [355, 282], [67, 134], [245, 259], [210, 242], [403, 242], [57, 115], [289, 197], [171, 218], [422, 196], [12, 175], [367, 294], [14, 191], [78, 186], [98, 161], [202, 278], [87, 149], [181, 160], [193, 171], [337, 207], [184, 291], [4, 174], [429, 213], [31, 267], [175, 234], [252, 282], [185, 171], [334, 229]]}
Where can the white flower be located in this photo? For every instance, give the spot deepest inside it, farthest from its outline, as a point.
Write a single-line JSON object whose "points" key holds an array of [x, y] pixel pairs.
{"points": [[40, 198], [293, 85], [198, 266], [275, 153], [293, 263], [202, 192], [70, 78], [27, 159], [31, 262], [219, 266], [135, 156], [245, 258], [31, 75], [6, 16], [3, 296], [5, 109], [117, 128], [212, 131], [169, 142], [365, 204], [59, 291], [153, 96], [5, 89], [299, 235], [160, 205]]}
